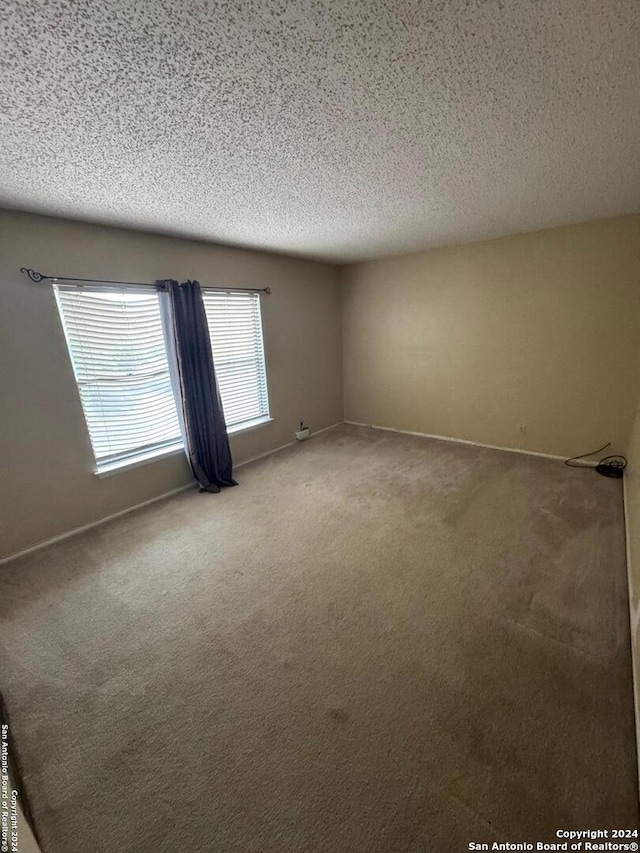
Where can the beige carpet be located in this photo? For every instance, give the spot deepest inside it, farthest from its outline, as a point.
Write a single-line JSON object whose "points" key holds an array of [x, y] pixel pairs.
{"points": [[375, 643]]}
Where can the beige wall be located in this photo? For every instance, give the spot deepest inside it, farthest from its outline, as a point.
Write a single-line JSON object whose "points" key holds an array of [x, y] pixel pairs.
{"points": [[473, 341], [46, 480], [632, 496], [632, 508]]}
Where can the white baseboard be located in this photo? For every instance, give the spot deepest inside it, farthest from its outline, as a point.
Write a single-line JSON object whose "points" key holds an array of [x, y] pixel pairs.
{"points": [[634, 621], [74, 531], [579, 463]]}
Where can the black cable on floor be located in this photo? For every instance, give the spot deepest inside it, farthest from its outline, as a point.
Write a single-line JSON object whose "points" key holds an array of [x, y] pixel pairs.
{"points": [[608, 466]]}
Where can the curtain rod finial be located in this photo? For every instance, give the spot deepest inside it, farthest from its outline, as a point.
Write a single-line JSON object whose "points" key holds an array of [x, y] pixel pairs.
{"points": [[267, 290], [33, 274]]}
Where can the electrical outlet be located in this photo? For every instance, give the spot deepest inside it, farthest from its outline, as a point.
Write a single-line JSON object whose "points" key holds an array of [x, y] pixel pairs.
{"points": [[522, 429], [302, 433]]}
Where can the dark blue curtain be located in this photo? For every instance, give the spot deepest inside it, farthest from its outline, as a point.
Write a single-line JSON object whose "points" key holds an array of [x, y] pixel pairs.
{"points": [[207, 441]]}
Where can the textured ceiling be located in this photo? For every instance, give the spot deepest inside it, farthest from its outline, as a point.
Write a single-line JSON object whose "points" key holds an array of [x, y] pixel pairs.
{"points": [[340, 130]]}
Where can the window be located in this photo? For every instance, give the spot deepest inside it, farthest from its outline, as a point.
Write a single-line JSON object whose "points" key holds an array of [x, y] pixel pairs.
{"points": [[235, 328], [117, 348]]}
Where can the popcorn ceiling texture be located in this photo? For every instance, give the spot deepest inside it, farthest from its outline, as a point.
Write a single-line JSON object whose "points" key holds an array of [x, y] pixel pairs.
{"points": [[335, 130]]}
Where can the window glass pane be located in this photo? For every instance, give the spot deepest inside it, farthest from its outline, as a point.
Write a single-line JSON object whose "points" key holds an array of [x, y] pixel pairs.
{"points": [[235, 328], [117, 348]]}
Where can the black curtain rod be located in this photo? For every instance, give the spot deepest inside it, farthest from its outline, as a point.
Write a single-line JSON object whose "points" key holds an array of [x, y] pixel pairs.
{"points": [[36, 276]]}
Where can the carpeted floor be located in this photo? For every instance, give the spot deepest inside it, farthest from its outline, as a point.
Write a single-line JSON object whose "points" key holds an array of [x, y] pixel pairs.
{"points": [[375, 643]]}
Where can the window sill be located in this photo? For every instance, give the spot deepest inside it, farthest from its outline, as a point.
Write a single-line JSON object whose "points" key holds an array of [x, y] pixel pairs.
{"points": [[110, 468], [249, 425]]}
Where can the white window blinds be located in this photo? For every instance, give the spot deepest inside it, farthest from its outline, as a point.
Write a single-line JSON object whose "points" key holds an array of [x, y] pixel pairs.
{"points": [[235, 328], [117, 348]]}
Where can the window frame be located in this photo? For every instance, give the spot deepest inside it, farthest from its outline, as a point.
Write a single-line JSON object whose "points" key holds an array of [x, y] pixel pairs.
{"points": [[126, 459], [149, 453], [264, 416]]}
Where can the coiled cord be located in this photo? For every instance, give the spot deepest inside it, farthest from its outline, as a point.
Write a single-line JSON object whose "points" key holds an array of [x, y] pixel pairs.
{"points": [[609, 466]]}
